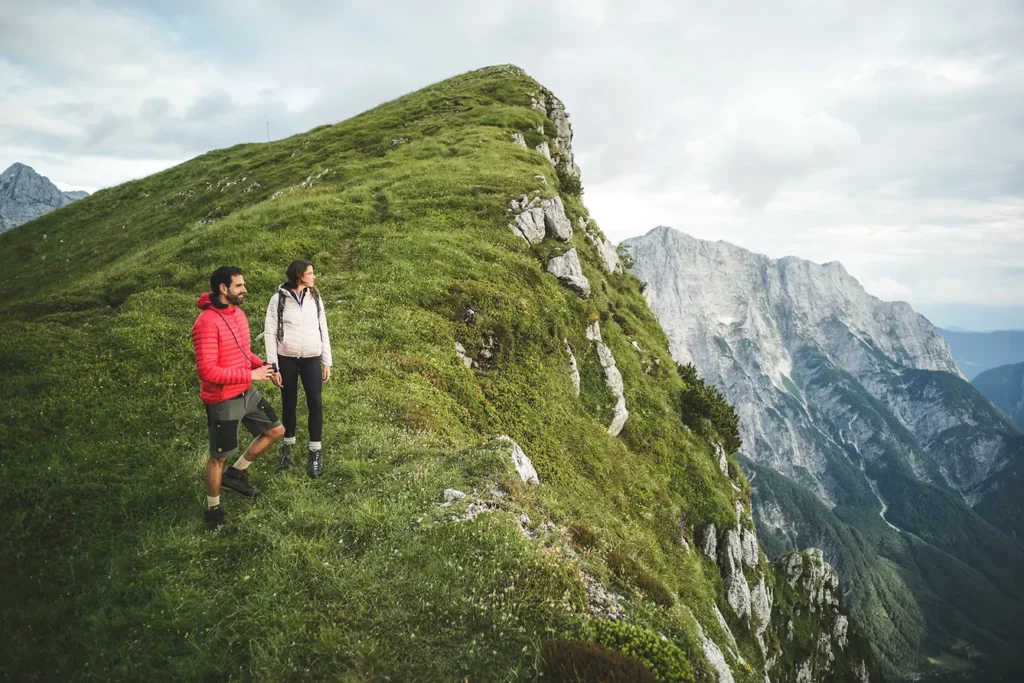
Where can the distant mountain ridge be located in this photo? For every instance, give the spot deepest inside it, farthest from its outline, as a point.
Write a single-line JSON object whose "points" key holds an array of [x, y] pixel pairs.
{"points": [[1004, 386], [976, 352], [26, 195], [861, 435]]}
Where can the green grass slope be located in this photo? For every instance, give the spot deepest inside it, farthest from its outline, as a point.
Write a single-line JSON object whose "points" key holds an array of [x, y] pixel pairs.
{"points": [[361, 575]]}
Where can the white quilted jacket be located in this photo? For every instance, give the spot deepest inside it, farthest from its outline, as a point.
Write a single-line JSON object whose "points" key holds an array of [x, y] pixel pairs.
{"points": [[305, 333]]}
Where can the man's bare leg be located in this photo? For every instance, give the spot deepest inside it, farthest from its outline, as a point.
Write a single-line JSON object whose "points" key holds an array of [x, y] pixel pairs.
{"points": [[214, 512], [262, 443], [214, 470]]}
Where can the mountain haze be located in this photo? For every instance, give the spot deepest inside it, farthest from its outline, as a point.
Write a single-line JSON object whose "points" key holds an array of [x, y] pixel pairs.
{"points": [[976, 352], [861, 437], [25, 195], [511, 488], [1004, 386]]}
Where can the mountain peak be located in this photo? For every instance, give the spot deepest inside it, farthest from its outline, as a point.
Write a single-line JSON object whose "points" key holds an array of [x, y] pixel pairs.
{"points": [[26, 195]]}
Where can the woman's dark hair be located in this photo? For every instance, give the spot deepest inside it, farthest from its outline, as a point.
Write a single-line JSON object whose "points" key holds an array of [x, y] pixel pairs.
{"points": [[296, 269], [223, 276]]}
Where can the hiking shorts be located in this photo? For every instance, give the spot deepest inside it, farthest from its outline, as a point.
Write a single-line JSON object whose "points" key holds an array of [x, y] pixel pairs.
{"points": [[250, 408]]}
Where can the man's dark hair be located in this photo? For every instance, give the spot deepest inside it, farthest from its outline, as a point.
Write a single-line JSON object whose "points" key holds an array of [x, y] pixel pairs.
{"points": [[223, 276]]}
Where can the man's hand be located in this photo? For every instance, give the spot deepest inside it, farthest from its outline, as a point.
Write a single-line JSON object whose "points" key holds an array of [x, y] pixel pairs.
{"points": [[262, 374], [276, 379], [326, 373]]}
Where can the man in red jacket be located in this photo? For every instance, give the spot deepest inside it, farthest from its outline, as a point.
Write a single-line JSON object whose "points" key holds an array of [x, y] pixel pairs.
{"points": [[227, 368]]}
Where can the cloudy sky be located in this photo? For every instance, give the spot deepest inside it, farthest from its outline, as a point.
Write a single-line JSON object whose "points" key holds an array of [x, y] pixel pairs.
{"points": [[888, 136]]}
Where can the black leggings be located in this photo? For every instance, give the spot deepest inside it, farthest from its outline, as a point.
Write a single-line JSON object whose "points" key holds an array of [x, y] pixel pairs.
{"points": [[312, 384]]}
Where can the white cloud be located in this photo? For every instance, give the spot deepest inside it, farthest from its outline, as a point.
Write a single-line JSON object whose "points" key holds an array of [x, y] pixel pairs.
{"points": [[888, 136]]}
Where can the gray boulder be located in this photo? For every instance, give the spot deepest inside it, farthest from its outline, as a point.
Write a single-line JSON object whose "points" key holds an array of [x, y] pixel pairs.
{"points": [[609, 256], [556, 223], [521, 461], [568, 270], [529, 220]]}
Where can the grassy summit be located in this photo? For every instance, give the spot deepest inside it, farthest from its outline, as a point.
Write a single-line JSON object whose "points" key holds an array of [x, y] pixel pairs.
{"points": [[361, 575]]}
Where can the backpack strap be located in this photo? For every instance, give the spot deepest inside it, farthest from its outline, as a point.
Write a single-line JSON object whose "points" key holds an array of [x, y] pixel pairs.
{"points": [[280, 317], [316, 297]]}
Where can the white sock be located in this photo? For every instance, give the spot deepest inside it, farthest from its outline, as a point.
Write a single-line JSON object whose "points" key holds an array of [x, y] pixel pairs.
{"points": [[314, 445], [289, 440], [242, 463], [212, 501]]}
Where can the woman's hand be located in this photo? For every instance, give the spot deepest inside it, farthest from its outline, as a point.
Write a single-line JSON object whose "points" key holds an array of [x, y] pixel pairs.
{"points": [[276, 379], [326, 373]]}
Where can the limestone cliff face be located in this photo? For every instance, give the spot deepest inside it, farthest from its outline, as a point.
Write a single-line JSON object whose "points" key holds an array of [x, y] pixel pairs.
{"points": [[822, 374], [858, 405], [24, 195]]}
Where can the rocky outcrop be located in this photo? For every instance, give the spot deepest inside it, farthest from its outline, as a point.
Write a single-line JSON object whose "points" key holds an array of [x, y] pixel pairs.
{"points": [[529, 219], [562, 156], [545, 150], [761, 609], [523, 464], [25, 195], [730, 561], [748, 546], [715, 657], [574, 370], [723, 464], [556, 223], [808, 572], [536, 218], [606, 251], [839, 628], [568, 270], [612, 379], [518, 139], [709, 542]]}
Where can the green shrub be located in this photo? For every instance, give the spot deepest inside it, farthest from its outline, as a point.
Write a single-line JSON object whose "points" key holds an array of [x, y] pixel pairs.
{"points": [[628, 569], [704, 409], [583, 536], [569, 184], [664, 660], [574, 661]]}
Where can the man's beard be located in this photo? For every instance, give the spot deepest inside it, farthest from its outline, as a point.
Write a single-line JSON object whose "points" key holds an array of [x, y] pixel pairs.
{"points": [[235, 300]]}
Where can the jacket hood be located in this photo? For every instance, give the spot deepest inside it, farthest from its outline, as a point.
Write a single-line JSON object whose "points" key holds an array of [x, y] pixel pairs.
{"points": [[206, 302]]}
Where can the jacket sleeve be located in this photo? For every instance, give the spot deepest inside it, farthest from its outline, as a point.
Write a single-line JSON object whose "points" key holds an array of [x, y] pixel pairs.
{"points": [[325, 352], [204, 339], [270, 329]]}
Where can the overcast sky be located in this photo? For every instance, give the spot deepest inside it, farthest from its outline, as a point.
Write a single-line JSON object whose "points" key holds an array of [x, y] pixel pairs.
{"points": [[888, 136]]}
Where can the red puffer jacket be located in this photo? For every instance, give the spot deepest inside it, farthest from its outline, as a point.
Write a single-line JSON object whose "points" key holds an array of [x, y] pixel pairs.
{"points": [[223, 357]]}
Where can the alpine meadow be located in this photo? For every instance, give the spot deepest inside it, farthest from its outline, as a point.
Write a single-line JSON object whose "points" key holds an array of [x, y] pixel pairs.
{"points": [[519, 482]]}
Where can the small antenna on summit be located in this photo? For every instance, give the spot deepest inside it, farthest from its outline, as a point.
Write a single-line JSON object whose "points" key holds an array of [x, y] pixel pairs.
{"points": [[268, 132]]}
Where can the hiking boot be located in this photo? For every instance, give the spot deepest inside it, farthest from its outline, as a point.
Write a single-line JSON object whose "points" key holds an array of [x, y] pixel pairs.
{"points": [[315, 465], [215, 518], [238, 481], [286, 457]]}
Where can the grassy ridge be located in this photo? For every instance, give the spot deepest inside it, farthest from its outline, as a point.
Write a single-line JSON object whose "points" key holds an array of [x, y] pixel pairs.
{"points": [[361, 575]]}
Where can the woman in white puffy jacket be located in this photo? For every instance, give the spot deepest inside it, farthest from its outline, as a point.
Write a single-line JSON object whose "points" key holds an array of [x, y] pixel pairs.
{"points": [[296, 337]]}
